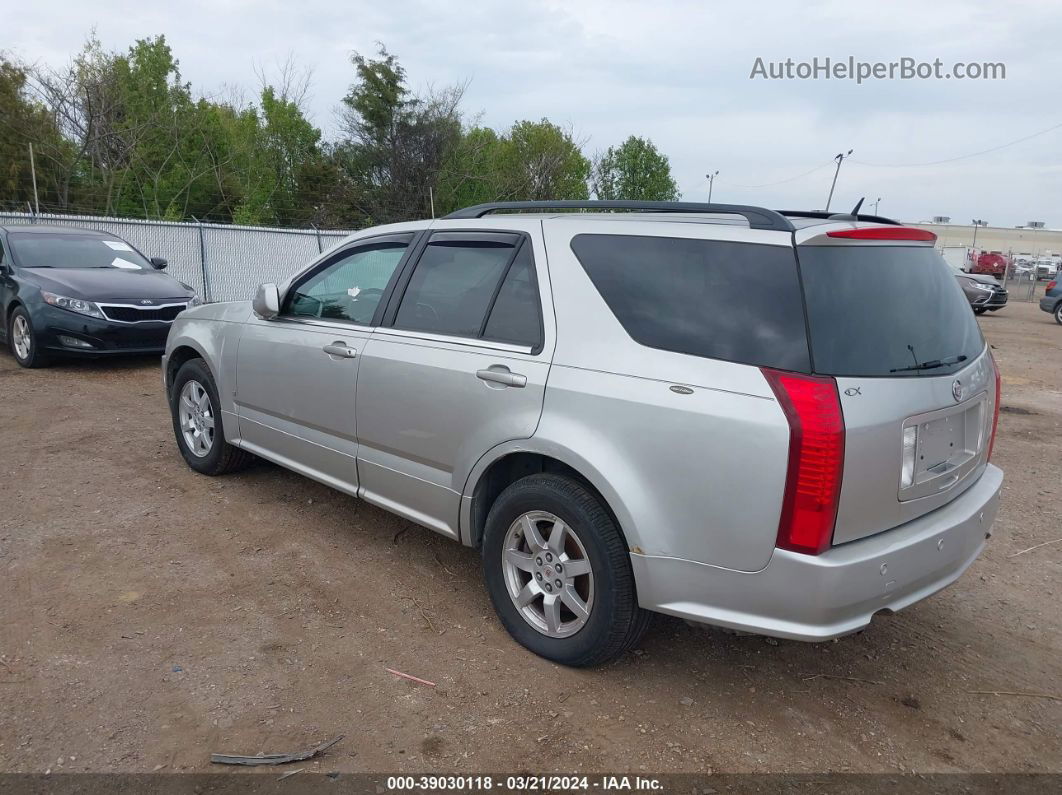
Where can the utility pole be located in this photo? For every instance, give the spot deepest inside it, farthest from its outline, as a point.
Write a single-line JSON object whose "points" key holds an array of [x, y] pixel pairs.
{"points": [[840, 159], [33, 173], [711, 181], [976, 223], [876, 202], [431, 199]]}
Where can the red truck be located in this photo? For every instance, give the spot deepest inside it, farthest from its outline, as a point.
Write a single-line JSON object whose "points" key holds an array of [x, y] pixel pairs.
{"points": [[992, 263]]}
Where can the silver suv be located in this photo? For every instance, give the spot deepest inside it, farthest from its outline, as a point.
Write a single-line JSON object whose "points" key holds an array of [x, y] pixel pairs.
{"points": [[712, 411]]}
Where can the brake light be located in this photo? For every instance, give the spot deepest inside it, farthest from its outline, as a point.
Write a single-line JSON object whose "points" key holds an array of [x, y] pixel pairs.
{"points": [[1051, 285], [995, 409], [816, 459], [885, 233]]}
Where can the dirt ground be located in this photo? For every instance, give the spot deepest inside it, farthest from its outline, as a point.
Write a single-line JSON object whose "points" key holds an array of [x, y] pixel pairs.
{"points": [[151, 616]]}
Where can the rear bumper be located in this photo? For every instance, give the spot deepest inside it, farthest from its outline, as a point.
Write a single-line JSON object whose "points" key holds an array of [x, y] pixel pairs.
{"points": [[805, 597], [1048, 303]]}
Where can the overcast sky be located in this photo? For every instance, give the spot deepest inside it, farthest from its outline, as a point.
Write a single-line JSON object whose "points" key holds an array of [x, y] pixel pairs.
{"points": [[677, 72]]}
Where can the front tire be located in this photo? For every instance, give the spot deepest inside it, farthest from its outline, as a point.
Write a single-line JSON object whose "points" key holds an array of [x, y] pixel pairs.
{"points": [[559, 573], [22, 340], [197, 422], [1058, 313]]}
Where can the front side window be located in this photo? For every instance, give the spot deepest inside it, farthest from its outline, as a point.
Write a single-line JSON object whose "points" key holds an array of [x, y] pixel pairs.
{"points": [[74, 250], [350, 287], [455, 284]]}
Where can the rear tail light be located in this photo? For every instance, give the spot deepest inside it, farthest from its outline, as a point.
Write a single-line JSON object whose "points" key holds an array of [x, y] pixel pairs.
{"points": [[816, 459], [884, 233], [1051, 285], [995, 408]]}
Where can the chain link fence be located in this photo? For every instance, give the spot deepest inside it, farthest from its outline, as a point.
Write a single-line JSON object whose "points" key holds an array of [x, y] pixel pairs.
{"points": [[221, 262]]}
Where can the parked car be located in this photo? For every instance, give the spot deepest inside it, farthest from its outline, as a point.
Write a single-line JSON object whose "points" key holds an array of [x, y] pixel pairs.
{"points": [[1052, 300], [984, 292], [77, 292], [664, 410]]}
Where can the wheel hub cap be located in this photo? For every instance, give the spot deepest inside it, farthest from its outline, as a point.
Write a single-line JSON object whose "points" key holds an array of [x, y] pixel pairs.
{"points": [[548, 574]]}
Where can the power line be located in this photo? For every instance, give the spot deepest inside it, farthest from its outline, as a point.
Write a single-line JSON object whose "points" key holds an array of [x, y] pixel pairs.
{"points": [[787, 179], [961, 157]]}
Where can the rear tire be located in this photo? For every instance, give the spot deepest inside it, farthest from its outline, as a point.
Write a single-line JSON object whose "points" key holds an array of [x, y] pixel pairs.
{"points": [[22, 340], [596, 615], [198, 425], [1058, 313]]}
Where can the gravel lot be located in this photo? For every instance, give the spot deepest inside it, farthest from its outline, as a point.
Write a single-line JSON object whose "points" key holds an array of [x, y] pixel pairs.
{"points": [[151, 616]]}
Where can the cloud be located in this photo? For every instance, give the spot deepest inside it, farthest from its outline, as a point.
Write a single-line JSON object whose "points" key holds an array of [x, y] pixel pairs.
{"points": [[677, 72]]}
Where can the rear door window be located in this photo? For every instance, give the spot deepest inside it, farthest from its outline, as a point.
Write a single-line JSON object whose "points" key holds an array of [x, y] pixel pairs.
{"points": [[722, 300], [886, 311], [455, 283], [517, 315]]}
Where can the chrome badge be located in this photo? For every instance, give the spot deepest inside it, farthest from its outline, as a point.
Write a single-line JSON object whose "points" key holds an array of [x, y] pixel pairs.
{"points": [[956, 390]]}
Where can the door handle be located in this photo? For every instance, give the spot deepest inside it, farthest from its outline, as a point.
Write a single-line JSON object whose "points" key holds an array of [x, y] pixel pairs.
{"points": [[340, 349], [500, 374]]}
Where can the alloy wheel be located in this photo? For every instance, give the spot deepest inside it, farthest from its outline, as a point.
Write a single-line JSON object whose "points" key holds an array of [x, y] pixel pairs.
{"points": [[21, 337], [548, 574], [196, 414]]}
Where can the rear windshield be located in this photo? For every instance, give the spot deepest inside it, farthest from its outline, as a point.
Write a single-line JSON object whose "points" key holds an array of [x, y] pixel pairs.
{"points": [[723, 300], [886, 311], [71, 250]]}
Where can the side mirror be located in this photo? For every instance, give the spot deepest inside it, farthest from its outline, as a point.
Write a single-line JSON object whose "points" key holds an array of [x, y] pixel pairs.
{"points": [[158, 263], [266, 303]]}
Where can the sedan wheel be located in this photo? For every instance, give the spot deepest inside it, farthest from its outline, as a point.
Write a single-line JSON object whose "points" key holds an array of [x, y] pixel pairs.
{"points": [[1058, 313], [21, 338], [548, 574], [197, 419]]}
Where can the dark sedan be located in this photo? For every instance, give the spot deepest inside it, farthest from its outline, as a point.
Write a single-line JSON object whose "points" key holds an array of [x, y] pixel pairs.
{"points": [[77, 292], [984, 293]]}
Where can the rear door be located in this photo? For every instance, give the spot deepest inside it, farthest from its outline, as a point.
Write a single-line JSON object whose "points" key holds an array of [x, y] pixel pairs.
{"points": [[458, 366], [916, 381]]}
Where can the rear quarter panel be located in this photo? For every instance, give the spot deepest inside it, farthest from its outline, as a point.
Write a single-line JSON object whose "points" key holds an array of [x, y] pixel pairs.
{"points": [[698, 476]]}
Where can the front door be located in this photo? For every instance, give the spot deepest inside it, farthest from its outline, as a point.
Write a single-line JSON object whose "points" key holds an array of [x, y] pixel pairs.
{"points": [[296, 373], [457, 368]]}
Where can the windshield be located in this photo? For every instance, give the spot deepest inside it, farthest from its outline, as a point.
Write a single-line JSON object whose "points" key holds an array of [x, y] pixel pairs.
{"points": [[886, 311], [65, 250]]}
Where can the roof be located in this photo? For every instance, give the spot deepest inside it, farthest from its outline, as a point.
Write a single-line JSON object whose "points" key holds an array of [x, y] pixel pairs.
{"points": [[54, 229]]}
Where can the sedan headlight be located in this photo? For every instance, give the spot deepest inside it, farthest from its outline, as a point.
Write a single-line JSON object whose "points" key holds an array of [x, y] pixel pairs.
{"points": [[988, 288], [78, 305], [195, 300]]}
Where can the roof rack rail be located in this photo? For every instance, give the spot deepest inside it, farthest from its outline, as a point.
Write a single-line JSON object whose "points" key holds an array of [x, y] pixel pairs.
{"points": [[874, 219], [758, 217]]}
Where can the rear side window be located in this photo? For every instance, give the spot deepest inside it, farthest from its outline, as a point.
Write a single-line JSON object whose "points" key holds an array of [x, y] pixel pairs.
{"points": [[886, 311], [734, 301], [453, 286]]}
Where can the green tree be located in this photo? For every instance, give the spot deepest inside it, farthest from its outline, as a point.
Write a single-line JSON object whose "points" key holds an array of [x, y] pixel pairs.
{"points": [[22, 122], [396, 143], [539, 160], [634, 170]]}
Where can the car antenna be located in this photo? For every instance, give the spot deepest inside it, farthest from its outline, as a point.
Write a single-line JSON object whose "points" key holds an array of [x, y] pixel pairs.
{"points": [[852, 216]]}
